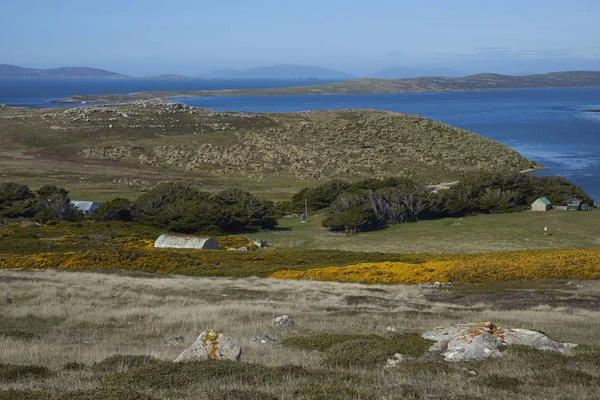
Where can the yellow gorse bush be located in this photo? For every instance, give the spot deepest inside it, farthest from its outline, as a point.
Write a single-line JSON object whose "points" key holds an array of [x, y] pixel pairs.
{"points": [[475, 268], [134, 253]]}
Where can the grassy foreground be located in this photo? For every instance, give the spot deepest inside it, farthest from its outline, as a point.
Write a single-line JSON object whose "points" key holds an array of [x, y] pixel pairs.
{"points": [[78, 335]]}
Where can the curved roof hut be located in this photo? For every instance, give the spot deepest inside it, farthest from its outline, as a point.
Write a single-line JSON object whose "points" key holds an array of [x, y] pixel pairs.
{"points": [[186, 242]]}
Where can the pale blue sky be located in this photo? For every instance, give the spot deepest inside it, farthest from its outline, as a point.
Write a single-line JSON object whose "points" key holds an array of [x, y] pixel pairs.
{"points": [[359, 37]]}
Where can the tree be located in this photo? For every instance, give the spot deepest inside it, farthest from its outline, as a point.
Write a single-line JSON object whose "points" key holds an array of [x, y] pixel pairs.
{"points": [[148, 207], [11, 192], [117, 209]]}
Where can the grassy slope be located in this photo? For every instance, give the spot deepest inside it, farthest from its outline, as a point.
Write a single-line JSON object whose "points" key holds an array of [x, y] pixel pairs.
{"points": [[100, 152]]}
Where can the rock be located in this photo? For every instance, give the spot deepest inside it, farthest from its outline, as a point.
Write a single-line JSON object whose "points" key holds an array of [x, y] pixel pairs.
{"points": [[467, 347], [468, 342], [284, 321], [395, 360], [264, 339], [534, 339], [391, 329], [211, 344]]}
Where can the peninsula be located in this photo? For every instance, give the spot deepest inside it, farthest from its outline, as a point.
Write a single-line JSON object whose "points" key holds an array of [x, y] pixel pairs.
{"points": [[125, 148], [569, 79]]}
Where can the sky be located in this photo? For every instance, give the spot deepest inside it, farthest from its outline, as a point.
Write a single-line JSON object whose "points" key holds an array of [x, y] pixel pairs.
{"points": [[190, 37]]}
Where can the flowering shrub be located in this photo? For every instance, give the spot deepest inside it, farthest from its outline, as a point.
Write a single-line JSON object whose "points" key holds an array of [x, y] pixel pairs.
{"points": [[101, 251], [475, 268]]}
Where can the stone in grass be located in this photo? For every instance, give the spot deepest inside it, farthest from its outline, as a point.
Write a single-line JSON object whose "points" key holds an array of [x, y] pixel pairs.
{"points": [[284, 321], [395, 360], [264, 339], [468, 342], [211, 344]]}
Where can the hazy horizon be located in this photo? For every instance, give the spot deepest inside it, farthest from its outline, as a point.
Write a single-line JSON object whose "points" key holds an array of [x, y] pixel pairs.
{"points": [[352, 36]]}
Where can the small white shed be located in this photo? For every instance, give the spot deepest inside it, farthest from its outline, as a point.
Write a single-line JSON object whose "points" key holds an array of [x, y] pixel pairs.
{"points": [[186, 242], [541, 204]]}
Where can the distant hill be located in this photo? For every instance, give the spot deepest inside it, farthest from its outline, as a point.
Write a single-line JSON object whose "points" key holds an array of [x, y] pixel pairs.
{"points": [[404, 72], [14, 71], [170, 77], [277, 72], [569, 79]]}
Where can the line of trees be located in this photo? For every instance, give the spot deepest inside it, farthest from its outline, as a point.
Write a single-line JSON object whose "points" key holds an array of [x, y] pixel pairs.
{"points": [[361, 206], [45, 204], [174, 207], [374, 204]]}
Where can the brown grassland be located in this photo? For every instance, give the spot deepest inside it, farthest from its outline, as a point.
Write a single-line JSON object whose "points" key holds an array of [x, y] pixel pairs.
{"points": [[104, 151], [99, 335]]}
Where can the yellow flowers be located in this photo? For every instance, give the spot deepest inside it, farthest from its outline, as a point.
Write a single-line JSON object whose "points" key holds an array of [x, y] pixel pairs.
{"points": [[475, 268], [133, 253]]}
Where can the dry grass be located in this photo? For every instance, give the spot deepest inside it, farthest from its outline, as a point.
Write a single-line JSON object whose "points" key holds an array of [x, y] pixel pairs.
{"points": [[94, 151], [86, 317]]}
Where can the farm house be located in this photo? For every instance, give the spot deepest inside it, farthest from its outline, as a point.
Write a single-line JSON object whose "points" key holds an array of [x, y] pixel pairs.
{"points": [[541, 204], [186, 242]]}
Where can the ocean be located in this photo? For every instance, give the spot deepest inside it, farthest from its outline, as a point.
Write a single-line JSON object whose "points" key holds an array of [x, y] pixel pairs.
{"points": [[550, 126]]}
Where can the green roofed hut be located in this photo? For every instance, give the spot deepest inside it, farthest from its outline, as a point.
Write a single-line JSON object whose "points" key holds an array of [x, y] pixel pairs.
{"points": [[541, 204]]}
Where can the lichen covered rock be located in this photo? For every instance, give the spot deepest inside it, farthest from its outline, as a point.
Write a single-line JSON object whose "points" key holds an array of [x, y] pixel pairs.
{"points": [[466, 342], [211, 344]]}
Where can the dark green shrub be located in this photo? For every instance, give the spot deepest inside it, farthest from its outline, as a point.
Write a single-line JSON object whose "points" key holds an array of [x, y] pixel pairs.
{"points": [[323, 341], [373, 353], [501, 382], [117, 209], [121, 363], [19, 335], [12, 373], [248, 394]]}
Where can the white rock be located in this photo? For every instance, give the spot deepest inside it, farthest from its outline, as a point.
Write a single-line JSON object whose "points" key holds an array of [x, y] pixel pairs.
{"points": [[285, 321], [211, 344], [467, 342]]}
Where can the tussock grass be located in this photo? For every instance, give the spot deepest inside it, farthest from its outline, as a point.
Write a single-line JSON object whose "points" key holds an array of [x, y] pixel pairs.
{"points": [[112, 336], [127, 148]]}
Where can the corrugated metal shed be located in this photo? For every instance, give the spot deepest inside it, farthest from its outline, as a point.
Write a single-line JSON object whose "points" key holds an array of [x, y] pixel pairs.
{"points": [[186, 242]]}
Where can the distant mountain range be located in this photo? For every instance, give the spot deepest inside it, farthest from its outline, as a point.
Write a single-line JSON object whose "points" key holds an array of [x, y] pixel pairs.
{"points": [[13, 71], [277, 72]]}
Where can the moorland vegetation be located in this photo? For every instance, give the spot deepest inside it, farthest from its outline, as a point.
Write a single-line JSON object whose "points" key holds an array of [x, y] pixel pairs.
{"points": [[122, 149]]}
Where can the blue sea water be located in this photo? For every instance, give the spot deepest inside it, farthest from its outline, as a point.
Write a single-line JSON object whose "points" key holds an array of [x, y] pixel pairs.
{"points": [[39, 93], [550, 126]]}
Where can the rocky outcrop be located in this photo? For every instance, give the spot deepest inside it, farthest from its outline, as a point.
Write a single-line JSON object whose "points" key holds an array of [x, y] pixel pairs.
{"points": [[213, 345], [467, 342]]}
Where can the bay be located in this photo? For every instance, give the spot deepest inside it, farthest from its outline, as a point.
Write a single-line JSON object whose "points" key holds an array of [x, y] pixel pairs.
{"points": [[40, 93], [550, 126]]}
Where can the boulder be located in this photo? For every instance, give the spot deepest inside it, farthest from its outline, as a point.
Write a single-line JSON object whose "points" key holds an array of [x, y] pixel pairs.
{"points": [[284, 321], [467, 342], [211, 344]]}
